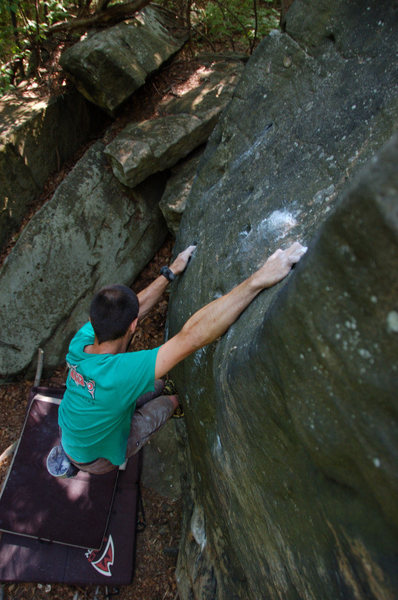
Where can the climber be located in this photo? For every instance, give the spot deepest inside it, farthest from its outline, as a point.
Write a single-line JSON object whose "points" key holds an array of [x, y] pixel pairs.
{"points": [[116, 400]]}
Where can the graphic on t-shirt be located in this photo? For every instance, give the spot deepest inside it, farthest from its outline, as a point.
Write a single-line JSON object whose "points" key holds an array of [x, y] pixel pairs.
{"points": [[80, 380]]}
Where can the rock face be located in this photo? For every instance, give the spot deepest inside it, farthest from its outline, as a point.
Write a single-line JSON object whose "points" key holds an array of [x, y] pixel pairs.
{"points": [[36, 137], [110, 65], [185, 123], [292, 415], [91, 233]]}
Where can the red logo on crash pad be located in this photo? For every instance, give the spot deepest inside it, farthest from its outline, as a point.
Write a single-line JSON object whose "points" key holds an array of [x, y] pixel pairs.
{"points": [[106, 558]]}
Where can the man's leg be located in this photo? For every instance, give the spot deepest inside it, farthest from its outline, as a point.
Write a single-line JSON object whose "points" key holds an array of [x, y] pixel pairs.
{"points": [[148, 419]]}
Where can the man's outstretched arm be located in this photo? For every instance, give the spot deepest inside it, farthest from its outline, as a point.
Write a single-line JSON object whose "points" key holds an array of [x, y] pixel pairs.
{"points": [[149, 296], [211, 321]]}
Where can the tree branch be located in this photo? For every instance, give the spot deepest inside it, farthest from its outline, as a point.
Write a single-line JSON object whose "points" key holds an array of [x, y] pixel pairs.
{"points": [[253, 43], [223, 6], [113, 14]]}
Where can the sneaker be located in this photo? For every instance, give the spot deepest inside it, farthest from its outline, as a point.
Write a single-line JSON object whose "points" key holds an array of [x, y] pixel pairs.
{"points": [[59, 465], [169, 388], [178, 413]]}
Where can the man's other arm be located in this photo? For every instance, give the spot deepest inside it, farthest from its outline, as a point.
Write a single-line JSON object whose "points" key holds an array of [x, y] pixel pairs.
{"points": [[213, 320], [151, 295]]}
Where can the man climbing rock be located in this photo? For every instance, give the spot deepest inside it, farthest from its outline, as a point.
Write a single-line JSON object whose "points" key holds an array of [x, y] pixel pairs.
{"points": [[115, 400]]}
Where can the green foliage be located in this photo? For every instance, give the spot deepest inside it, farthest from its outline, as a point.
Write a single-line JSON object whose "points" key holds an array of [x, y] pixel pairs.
{"points": [[238, 23], [23, 28], [6, 77]]}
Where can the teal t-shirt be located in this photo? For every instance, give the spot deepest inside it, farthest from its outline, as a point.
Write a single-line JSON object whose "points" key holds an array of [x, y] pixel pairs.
{"points": [[101, 392]]}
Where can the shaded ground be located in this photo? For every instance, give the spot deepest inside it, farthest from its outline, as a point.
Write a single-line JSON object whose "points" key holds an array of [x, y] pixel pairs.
{"points": [[157, 545]]}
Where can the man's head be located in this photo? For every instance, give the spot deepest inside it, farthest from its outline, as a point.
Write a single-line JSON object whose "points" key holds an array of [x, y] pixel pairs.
{"points": [[112, 311]]}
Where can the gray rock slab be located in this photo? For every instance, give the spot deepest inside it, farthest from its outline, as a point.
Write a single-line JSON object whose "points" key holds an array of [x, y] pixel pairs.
{"points": [[91, 233], [292, 414], [108, 66], [174, 199], [155, 145], [142, 149], [19, 189], [36, 137]]}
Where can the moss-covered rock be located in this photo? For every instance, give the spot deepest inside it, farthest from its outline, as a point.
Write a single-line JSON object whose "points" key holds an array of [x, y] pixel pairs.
{"points": [[108, 66], [91, 233], [36, 137]]}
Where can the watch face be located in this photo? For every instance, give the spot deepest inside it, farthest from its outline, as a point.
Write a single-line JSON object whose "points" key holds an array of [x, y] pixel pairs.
{"points": [[167, 273]]}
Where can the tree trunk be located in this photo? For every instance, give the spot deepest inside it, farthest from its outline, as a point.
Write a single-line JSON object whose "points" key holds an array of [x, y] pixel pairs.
{"points": [[13, 17], [18, 64], [102, 5], [285, 5]]}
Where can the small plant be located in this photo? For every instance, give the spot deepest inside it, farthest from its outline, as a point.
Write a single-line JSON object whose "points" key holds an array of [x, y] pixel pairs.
{"points": [[242, 22], [23, 29]]}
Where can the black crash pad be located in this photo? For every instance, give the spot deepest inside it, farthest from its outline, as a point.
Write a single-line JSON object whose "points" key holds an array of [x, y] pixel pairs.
{"points": [[27, 559], [79, 530], [69, 511]]}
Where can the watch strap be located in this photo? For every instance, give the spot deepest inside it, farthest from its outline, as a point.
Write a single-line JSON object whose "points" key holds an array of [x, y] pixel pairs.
{"points": [[168, 273]]}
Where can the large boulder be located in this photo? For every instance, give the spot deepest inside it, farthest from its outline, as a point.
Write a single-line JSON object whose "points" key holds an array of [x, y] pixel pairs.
{"points": [[292, 415], [91, 233], [108, 66], [184, 124], [36, 137]]}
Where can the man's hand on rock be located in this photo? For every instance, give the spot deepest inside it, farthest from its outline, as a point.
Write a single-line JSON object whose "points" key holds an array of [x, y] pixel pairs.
{"points": [[180, 263], [278, 265], [212, 321]]}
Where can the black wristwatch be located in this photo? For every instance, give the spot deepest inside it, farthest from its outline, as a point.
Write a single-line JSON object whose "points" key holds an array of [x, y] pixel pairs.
{"points": [[168, 273]]}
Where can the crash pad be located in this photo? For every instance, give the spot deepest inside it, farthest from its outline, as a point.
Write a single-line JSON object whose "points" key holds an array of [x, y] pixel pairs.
{"points": [[78, 530]]}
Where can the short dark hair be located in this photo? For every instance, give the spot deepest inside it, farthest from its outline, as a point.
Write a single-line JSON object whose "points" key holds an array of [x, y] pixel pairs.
{"points": [[112, 311]]}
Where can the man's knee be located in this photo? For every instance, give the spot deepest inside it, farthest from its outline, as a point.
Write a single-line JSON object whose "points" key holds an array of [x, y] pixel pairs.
{"points": [[174, 400], [148, 419]]}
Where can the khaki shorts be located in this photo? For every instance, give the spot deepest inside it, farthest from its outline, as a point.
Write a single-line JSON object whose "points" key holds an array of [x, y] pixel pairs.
{"points": [[151, 413]]}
